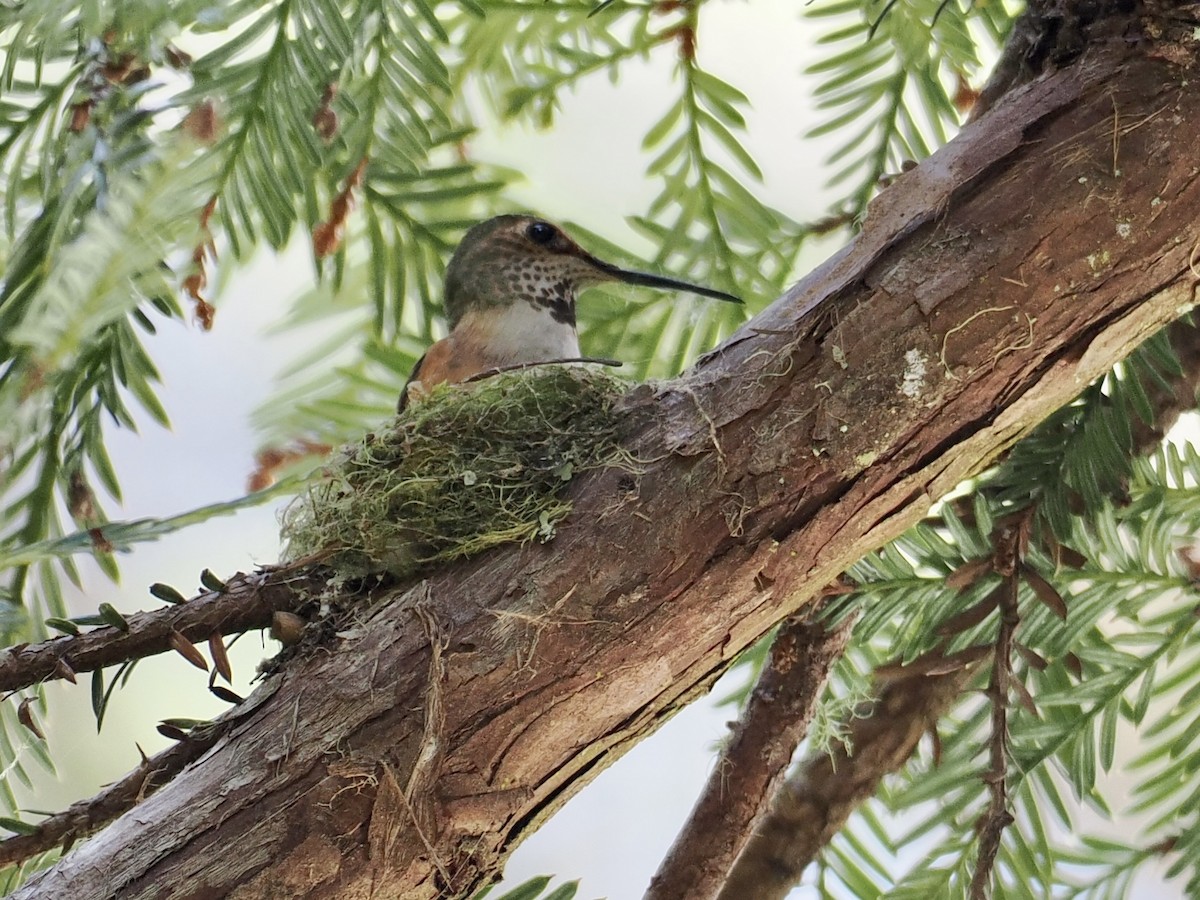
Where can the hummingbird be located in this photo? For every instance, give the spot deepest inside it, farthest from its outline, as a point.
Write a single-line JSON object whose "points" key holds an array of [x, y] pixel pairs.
{"points": [[510, 300]]}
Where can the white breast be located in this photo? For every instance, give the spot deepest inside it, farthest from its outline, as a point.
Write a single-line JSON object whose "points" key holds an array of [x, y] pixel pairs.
{"points": [[524, 333]]}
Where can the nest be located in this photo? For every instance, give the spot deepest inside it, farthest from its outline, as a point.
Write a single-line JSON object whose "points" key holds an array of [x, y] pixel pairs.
{"points": [[466, 469]]}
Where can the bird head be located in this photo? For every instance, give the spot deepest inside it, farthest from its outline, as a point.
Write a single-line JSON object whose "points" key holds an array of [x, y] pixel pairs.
{"points": [[521, 258]]}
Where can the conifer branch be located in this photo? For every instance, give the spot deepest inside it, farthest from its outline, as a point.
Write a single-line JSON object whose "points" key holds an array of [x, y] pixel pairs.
{"points": [[248, 602], [820, 511], [829, 785], [998, 817], [754, 759], [803, 815], [88, 816], [1111, 429]]}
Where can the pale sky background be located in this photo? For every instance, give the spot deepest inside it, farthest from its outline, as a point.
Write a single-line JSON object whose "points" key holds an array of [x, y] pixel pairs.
{"points": [[589, 170]]}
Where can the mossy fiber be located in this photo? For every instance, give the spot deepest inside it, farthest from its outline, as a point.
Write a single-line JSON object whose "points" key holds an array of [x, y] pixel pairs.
{"points": [[467, 468]]}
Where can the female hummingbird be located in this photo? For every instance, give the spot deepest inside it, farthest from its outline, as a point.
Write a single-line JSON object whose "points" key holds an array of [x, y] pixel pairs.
{"points": [[510, 300]]}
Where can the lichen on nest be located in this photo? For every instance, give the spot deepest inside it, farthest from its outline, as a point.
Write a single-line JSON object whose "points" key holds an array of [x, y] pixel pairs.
{"points": [[468, 468]]}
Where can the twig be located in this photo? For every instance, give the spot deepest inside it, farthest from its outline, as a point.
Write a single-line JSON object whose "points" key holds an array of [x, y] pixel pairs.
{"points": [[959, 327], [520, 367], [247, 603], [753, 762], [997, 817], [713, 437], [88, 816]]}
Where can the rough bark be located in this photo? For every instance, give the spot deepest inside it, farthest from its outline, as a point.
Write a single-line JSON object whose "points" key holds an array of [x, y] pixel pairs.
{"points": [[988, 287], [86, 816], [815, 801]]}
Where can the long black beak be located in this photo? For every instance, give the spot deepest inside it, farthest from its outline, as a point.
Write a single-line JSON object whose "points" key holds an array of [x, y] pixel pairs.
{"points": [[658, 281]]}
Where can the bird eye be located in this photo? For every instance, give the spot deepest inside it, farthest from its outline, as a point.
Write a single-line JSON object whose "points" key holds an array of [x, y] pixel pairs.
{"points": [[540, 232]]}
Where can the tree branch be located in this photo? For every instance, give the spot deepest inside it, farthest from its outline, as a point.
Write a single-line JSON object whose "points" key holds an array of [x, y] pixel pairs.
{"points": [[829, 785], [825, 427], [753, 760], [87, 816], [996, 817], [247, 603], [804, 816]]}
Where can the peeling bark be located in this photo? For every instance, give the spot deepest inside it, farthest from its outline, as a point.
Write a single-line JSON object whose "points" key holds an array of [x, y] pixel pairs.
{"points": [[988, 287], [825, 789]]}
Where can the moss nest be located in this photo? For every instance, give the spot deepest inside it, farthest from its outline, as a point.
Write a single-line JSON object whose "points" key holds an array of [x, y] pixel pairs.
{"points": [[465, 469]]}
